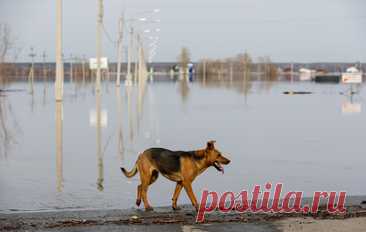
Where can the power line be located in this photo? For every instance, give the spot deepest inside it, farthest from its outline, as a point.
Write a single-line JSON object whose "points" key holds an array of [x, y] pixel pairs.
{"points": [[108, 36]]}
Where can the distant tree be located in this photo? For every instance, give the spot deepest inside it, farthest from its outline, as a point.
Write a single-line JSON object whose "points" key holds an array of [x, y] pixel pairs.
{"points": [[184, 58], [245, 61], [270, 69], [5, 43]]}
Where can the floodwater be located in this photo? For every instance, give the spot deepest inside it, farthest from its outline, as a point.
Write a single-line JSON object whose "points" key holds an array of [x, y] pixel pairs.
{"points": [[68, 155]]}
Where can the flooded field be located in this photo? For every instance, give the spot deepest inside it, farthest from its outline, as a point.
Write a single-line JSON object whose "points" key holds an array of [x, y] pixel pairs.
{"points": [[57, 156]]}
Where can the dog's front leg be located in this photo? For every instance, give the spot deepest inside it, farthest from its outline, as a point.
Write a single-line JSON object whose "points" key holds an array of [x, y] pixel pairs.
{"points": [[177, 190], [188, 187]]}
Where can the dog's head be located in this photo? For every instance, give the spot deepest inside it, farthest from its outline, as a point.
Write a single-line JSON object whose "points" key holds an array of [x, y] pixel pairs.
{"points": [[214, 157]]}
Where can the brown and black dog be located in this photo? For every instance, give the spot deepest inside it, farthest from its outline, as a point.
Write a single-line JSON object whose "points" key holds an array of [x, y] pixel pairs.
{"points": [[178, 166]]}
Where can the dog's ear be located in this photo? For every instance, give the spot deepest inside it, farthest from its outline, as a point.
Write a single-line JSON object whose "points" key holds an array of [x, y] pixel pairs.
{"points": [[200, 153], [211, 145]]}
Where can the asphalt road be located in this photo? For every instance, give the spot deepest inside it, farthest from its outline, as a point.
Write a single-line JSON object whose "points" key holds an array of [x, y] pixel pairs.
{"points": [[216, 227], [165, 219]]}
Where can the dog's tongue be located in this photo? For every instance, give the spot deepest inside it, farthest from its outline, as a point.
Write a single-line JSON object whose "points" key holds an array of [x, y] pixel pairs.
{"points": [[222, 170]]}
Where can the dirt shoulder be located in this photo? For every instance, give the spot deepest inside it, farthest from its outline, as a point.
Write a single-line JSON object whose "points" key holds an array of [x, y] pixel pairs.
{"points": [[309, 224]]}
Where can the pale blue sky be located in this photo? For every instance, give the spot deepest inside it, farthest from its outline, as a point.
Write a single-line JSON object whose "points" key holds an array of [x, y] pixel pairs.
{"points": [[286, 30]]}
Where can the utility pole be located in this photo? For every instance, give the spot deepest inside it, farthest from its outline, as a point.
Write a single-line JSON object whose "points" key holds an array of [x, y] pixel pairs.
{"points": [[204, 70], [83, 67], [71, 68], [99, 43], [31, 73], [59, 85], [136, 58], [128, 81], [119, 50], [139, 58], [231, 70], [44, 56]]}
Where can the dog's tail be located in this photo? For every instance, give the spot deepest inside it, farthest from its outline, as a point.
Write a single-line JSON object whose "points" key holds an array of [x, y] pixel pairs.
{"points": [[131, 173]]}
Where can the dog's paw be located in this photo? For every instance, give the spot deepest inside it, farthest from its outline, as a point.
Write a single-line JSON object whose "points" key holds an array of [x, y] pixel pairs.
{"points": [[176, 208], [138, 202]]}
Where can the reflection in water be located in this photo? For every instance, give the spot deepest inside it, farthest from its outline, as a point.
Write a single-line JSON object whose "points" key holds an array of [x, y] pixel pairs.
{"points": [[9, 127], [59, 146], [142, 79], [32, 102], [352, 103], [247, 85], [45, 88], [350, 107], [129, 112], [231, 71], [240, 83], [120, 146], [302, 138], [153, 131], [183, 87], [100, 165], [99, 118]]}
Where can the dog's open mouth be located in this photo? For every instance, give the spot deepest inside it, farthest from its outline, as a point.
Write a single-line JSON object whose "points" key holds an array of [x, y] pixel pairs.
{"points": [[218, 166]]}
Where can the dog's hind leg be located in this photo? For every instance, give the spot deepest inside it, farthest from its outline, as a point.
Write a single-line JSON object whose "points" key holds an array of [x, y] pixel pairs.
{"points": [[154, 176], [144, 188], [138, 199], [177, 190], [146, 176]]}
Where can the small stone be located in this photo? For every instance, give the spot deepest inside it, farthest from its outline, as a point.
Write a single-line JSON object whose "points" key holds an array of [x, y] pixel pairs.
{"points": [[134, 217]]}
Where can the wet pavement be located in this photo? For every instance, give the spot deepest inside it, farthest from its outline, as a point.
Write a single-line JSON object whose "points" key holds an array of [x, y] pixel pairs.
{"points": [[165, 219], [215, 227]]}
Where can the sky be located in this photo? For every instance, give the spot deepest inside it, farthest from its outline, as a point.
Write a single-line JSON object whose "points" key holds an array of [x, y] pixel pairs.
{"points": [[285, 30]]}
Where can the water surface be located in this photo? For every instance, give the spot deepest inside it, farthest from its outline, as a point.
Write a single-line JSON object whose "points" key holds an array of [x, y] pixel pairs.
{"points": [[68, 155]]}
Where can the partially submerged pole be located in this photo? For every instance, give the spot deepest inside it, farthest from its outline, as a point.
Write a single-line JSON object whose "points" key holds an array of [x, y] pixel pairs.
{"points": [[128, 81], [100, 179], [59, 95], [59, 64], [99, 43], [83, 69], [71, 68], [44, 56], [136, 58], [31, 73], [119, 50]]}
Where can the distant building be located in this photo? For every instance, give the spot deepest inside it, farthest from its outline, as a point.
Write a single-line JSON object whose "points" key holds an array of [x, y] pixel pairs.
{"points": [[352, 76], [306, 74]]}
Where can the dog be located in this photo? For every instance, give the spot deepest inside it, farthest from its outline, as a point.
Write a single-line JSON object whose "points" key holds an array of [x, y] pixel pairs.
{"points": [[181, 167]]}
